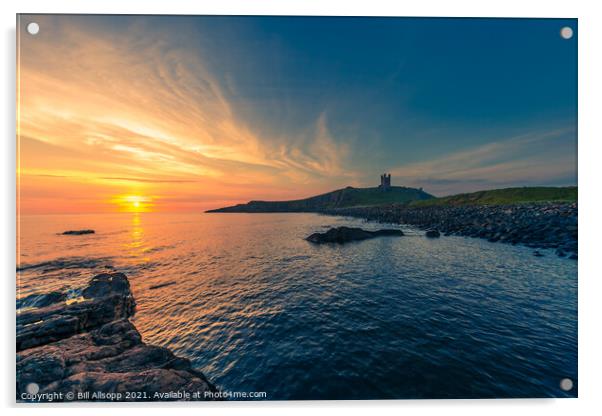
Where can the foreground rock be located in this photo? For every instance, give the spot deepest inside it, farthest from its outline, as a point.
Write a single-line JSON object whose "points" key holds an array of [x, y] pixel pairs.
{"points": [[106, 298], [347, 234], [88, 347], [547, 225], [78, 232], [40, 300]]}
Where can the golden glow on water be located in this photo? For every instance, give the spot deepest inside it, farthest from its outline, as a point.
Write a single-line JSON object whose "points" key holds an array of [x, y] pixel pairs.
{"points": [[136, 244]]}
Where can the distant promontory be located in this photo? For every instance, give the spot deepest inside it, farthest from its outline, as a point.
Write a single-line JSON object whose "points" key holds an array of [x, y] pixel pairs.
{"points": [[341, 198]]}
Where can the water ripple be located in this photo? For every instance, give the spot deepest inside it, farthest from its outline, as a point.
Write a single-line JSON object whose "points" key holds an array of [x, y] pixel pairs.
{"points": [[258, 308]]}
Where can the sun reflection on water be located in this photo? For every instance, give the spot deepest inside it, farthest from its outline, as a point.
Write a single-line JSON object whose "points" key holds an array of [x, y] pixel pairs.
{"points": [[136, 246]]}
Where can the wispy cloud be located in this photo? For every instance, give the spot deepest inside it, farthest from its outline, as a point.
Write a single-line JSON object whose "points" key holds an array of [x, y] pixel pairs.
{"points": [[314, 154], [139, 104], [538, 158]]}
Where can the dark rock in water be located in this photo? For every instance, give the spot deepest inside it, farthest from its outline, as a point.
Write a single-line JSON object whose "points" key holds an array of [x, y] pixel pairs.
{"points": [[560, 252], [89, 345], [537, 253], [78, 232], [432, 233], [346, 234], [573, 257], [108, 284], [40, 300], [161, 285]]}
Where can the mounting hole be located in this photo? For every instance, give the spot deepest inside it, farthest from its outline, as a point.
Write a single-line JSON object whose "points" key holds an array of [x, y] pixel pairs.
{"points": [[566, 32], [566, 384], [33, 28], [32, 388]]}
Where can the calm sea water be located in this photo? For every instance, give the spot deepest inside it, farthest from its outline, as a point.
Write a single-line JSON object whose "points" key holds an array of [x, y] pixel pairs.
{"points": [[257, 308]]}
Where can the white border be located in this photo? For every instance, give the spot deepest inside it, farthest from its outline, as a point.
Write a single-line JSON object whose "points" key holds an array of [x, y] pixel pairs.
{"points": [[590, 139]]}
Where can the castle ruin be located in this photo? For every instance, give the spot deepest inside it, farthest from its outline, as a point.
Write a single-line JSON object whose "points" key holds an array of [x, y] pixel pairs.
{"points": [[385, 181]]}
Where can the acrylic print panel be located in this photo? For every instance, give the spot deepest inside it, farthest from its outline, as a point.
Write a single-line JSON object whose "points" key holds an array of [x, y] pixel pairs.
{"points": [[284, 208]]}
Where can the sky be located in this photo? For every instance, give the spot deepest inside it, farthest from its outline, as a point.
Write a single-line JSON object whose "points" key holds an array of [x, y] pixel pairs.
{"points": [[188, 113]]}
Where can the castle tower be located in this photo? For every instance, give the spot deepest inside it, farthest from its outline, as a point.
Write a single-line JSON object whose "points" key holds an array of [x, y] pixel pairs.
{"points": [[385, 181]]}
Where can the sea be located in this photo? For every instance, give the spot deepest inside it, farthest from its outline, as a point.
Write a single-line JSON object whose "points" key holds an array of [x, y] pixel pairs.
{"points": [[257, 308]]}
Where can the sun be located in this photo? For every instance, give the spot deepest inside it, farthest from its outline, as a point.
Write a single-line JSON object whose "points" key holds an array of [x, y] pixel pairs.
{"points": [[133, 203]]}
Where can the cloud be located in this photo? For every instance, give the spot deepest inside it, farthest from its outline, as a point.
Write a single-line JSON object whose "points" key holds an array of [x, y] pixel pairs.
{"points": [[138, 101], [314, 154], [541, 158]]}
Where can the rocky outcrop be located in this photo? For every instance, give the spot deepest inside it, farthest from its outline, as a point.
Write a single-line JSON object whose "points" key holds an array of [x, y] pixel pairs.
{"points": [[78, 232], [347, 234], [106, 298], [86, 348], [551, 225]]}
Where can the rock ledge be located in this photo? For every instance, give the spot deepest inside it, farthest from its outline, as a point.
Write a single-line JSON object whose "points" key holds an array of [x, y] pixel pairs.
{"points": [[87, 347]]}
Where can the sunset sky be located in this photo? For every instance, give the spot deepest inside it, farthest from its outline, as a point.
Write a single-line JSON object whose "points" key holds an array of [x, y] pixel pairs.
{"points": [[123, 113]]}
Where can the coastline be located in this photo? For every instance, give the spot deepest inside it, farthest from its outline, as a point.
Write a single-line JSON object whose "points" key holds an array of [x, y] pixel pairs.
{"points": [[86, 349], [538, 225]]}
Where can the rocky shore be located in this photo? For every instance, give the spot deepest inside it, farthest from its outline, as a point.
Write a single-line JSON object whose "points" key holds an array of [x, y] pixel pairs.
{"points": [[86, 348], [536, 225]]}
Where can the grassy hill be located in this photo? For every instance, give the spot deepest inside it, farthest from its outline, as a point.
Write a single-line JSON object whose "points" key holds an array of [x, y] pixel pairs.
{"points": [[341, 198], [505, 196]]}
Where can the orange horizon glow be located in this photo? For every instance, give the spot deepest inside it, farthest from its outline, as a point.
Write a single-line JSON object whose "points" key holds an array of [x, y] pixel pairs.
{"points": [[134, 203], [107, 123]]}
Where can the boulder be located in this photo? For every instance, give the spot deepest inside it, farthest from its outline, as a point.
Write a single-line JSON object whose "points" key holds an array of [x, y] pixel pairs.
{"points": [[346, 234], [432, 233], [78, 232]]}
